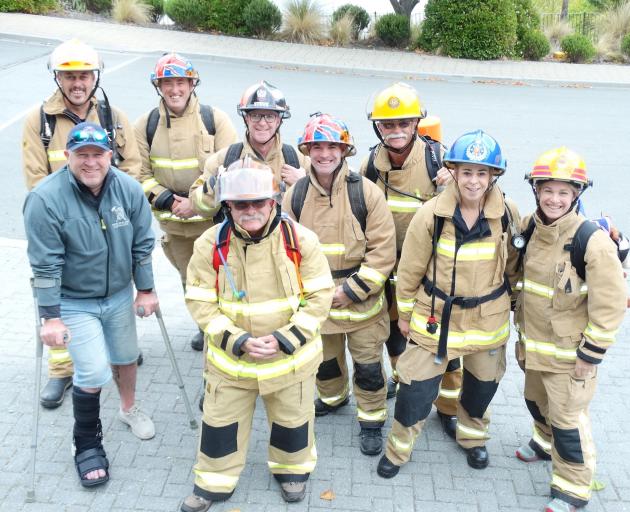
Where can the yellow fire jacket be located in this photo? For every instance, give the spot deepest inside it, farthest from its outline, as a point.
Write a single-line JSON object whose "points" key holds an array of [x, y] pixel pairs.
{"points": [[360, 262], [465, 268], [203, 199], [176, 159], [271, 305], [559, 316], [37, 163], [412, 179]]}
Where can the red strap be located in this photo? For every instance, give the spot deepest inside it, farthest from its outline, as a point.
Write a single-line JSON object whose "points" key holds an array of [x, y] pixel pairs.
{"points": [[224, 247]]}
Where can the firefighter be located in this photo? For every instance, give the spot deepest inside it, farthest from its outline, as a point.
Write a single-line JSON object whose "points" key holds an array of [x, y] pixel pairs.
{"points": [[175, 139], [76, 69], [263, 108], [566, 324], [453, 300], [408, 169], [259, 286], [350, 216]]}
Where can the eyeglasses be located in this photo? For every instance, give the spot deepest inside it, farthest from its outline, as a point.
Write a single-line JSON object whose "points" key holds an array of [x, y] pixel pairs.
{"points": [[258, 204], [89, 135], [390, 125], [256, 117]]}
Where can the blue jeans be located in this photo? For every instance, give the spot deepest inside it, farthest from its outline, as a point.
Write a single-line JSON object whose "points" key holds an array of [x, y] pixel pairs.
{"points": [[103, 332]]}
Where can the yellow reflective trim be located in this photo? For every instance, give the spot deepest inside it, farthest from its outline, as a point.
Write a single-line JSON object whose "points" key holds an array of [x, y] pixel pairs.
{"points": [[583, 491], [475, 251], [401, 446], [200, 205], [176, 165], [378, 415], [306, 321], [331, 249], [405, 305], [518, 286], [372, 275], [200, 294], [456, 339], [355, 316], [334, 400], [147, 185], [59, 355], [166, 216], [401, 204], [211, 479], [548, 349], [597, 334], [306, 467], [472, 432], [243, 369], [537, 289], [217, 325], [318, 283], [265, 307], [450, 393], [540, 441], [56, 155]]}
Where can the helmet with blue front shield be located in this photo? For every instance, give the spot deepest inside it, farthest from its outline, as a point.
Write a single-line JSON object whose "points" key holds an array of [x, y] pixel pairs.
{"points": [[476, 147]]}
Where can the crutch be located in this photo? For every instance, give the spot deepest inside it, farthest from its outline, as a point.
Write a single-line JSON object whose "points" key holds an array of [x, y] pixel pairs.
{"points": [[171, 355], [39, 350]]}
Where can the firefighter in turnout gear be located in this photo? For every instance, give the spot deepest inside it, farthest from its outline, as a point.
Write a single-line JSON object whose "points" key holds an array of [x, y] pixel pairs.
{"points": [[567, 317], [263, 108], [260, 287], [175, 139], [408, 169], [453, 295], [76, 69], [350, 216]]}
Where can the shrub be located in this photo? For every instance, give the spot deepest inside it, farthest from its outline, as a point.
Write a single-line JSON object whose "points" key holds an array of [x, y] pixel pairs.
{"points": [[157, 6], [613, 24], [28, 6], [188, 14], [227, 16], [342, 30], [303, 21], [262, 18], [557, 32], [625, 45], [533, 45], [360, 17], [475, 29], [578, 48], [134, 11], [98, 5], [393, 29]]}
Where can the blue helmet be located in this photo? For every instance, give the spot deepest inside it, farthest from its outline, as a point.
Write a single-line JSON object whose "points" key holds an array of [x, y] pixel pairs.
{"points": [[476, 148]]}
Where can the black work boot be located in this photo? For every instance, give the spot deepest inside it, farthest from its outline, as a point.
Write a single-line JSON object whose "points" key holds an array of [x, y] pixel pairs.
{"points": [[322, 408], [196, 342], [477, 457], [392, 387], [54, 391], [386, 468], [371, 440], [449, 424]]}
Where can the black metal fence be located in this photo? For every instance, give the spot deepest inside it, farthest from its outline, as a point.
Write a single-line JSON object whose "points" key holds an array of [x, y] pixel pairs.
{"points": [[582, 22]]}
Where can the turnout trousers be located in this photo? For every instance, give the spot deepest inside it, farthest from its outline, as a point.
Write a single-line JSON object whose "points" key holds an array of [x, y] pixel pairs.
{"points": [[558, 403], [366, 349], [178, 250], [226, 428], [420, 385]]}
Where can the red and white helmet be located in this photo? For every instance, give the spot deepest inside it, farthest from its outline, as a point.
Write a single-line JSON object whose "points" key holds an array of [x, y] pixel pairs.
{"points": [[325, 128], [173, 65]]}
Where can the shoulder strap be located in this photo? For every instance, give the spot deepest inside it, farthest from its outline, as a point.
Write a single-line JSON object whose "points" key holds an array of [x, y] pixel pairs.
{"points": [[233, 154], [526, 234], [432, 155], [207, 116], [357, 198], [578, 246], [505, 219], [106, 120], [224, 246], [47, 127], [299, 195], [370, 172], [290, 156], [152, 122], [439, 226], [289, 237]]}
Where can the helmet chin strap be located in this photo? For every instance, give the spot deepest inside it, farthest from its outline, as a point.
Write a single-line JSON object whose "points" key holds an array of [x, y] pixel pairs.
{"points": [[166, 109], [393, 149], [571, 208], [96, 85]]}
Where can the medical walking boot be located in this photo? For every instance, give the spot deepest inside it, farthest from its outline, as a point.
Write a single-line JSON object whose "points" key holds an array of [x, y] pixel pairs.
{"points": [[54, 392], [371, 441], [527, 454], [558, 505], [194, 503]]}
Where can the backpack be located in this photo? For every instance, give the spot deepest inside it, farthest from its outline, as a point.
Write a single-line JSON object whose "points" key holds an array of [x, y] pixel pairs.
{"points": [[577, 248], [432, 157], [207, 116], [355, 195], [234, 153], [48, 123]]}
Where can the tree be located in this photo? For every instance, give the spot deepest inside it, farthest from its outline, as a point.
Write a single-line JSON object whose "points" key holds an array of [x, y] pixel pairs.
{"points": [[564, 11], [404, 6]]}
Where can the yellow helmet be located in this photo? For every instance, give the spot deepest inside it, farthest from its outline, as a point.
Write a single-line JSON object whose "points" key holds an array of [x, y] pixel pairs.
{"points": [[560, 164], [74, 55], [398, 101]]}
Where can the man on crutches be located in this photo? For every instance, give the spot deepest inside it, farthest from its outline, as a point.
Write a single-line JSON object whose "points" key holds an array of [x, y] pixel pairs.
{"points": [[89, 236]]}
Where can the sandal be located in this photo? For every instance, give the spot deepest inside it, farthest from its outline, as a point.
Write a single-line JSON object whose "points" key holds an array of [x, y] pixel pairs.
{"points": [[92, 460]]}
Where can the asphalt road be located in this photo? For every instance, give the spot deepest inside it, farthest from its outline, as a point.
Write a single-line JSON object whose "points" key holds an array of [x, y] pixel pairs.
{"points": [[526, 120]]}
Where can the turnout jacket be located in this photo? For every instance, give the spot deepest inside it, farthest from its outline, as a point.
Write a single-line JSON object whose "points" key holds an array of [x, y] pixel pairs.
{"points": [[80, 246], [412, 179], [360, 262], [470, 264], [271, 305], [176, 159], [559, 316], [37, 163], [202, 194]]}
